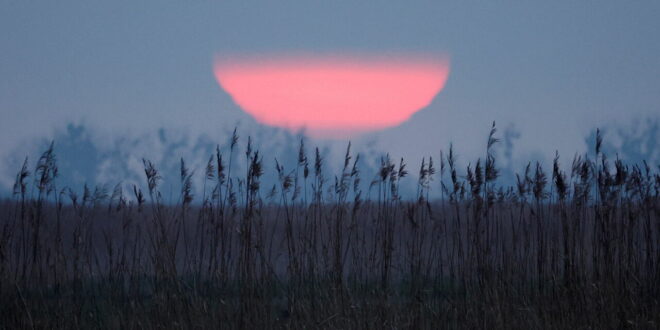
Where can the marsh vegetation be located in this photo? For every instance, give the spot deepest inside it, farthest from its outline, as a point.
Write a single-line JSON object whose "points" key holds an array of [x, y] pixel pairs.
{"points": [[559, 249]]}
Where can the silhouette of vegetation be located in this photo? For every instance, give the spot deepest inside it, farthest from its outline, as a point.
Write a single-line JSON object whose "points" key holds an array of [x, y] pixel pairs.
{"points": [[574, 249]]}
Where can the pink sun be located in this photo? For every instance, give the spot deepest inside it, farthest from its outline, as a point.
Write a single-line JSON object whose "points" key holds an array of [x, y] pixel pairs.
{"points": [[333, 96]]}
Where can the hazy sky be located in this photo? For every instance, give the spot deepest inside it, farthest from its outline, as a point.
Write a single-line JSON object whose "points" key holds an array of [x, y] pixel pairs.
{"points": [[554, 69]]}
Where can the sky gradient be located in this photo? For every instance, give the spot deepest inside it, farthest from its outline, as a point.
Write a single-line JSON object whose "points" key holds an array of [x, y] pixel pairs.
{"points": [[550, 71]]}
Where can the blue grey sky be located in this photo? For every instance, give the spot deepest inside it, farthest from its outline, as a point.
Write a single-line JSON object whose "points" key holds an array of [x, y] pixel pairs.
{"points": [[552, 70]]}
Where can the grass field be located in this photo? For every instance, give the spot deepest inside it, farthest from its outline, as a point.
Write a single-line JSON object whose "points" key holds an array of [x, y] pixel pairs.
{"points": [[579, 249]]}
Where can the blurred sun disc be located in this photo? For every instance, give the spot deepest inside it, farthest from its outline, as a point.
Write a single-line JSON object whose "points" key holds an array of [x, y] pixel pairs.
{"points": [[332, 96]]}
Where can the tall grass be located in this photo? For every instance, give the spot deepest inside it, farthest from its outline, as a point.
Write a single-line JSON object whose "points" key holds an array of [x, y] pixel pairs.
{"points": [[564, 250]]}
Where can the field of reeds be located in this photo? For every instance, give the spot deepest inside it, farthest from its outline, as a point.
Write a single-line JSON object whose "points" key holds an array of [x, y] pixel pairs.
{"points": [[559, 249]]}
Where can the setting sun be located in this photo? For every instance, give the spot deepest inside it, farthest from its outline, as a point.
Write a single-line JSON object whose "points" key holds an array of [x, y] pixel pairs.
{"points": [[332, 96]]}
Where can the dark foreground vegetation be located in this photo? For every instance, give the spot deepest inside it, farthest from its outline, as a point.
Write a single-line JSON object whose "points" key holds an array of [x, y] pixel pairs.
{"points": [[579, 249]]}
